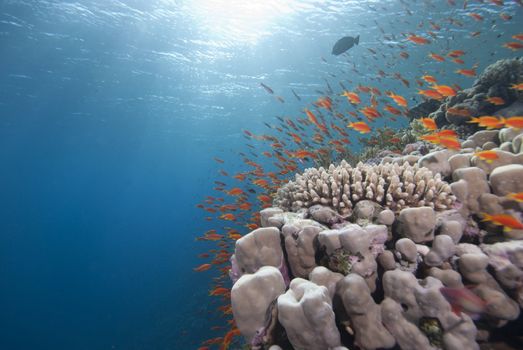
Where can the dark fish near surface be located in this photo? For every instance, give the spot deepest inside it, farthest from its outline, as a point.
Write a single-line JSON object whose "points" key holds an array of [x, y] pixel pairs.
{"points": [[268, 89], [344, 44]]}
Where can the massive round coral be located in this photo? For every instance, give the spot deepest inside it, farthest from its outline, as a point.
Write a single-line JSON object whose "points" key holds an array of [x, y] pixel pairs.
{"points": [[391, 185]]}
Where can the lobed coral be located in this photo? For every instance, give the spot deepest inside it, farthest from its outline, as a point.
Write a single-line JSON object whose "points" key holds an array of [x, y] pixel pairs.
{"points": [[391, 185]]}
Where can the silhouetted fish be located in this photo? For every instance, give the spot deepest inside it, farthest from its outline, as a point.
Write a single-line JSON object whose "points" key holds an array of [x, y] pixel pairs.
{"points": [[344, 44]]}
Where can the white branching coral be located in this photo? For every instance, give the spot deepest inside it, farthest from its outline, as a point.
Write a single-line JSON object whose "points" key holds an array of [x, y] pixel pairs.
{"points": [[391, 185]]}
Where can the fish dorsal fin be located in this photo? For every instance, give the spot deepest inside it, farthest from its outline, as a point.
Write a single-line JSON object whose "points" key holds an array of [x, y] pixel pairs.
{"points": [[357, 40]]}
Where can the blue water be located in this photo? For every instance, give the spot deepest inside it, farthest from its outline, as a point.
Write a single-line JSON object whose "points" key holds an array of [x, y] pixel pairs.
{"points": [[110, 115]]}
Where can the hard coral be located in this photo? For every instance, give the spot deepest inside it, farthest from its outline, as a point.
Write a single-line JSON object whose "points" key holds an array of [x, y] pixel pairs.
{"points": [[393, 186]]}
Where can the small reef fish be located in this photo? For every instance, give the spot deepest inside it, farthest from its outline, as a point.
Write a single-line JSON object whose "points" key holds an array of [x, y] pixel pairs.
{"points": [[400, 100], [487, 121], [344, 44], [488, 156], [352, 97], [467, 72], [418, 39], [444, 90], [436, 57], [517, 86], [429, 79], [268, 89], [515, 196], [463, 300], [507, 221], [513, 45], [433, 94], [228, 217], [235, 192], [476, 16], [518, 37], [202, 267], [462, 112], [456, 53], [429, 123], [514, 122], [361, 127], [498, 101]]}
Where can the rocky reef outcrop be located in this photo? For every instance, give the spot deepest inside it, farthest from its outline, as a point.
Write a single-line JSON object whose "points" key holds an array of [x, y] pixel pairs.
{"points": [[397, 254]]}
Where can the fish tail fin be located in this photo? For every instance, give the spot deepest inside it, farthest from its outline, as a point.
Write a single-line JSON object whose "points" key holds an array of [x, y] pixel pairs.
{"points": [[486, 217], [357, 41]]}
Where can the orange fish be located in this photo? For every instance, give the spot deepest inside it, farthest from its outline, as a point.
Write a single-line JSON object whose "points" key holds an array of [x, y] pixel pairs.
{"points": [[507, 221], [304, 154], [487, 121], [518, 87], [450, 143], [227, 339], [352, 97], [467, 72], [228, 217], [370, 112], [456, 53], [361, 127], [429, 123], [202, 267], [219, 291], [429, 79], [392, 110], [447, 133], [260, 182], [314, 120], [444, 90], [498, 101], [514, 122], [265, 198], [458, 60], [463, 112], [235, 191], [436, 57], [513, 45], [488, 156], [400, 100], [431, 94], [476, 16], [463, 300], [212, 237], [433, 138], [418, 39], [518, 37], [515, 196]]}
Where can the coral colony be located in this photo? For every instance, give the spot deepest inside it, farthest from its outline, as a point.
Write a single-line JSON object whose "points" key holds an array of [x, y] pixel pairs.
{"points": [[419, 250]]}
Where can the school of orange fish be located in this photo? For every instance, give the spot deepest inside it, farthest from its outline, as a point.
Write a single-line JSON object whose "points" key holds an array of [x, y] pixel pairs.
{"points": [[332, 123]]}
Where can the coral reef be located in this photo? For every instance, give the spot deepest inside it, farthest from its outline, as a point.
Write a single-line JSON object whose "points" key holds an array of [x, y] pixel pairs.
{"points": [[391, 185], [378, 256], [495, 81], [397, 251]]}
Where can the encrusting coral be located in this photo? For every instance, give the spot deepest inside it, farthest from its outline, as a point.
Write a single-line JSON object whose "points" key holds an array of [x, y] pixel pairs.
{"points": [[391, 185]]}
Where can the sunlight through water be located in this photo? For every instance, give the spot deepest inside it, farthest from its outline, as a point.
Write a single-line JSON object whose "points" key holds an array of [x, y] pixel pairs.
{"points": [[238, 21]]}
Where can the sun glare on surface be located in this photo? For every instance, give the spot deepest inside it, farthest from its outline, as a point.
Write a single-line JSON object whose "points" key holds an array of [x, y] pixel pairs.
{"points": [[242, 21]]}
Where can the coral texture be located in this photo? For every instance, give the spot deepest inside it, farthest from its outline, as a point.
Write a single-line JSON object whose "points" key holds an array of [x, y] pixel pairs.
{"points": [[340, 187]]}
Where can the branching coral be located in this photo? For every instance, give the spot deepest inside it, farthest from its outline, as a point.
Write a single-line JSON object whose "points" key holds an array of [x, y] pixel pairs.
{"points": [[392, 185]]}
